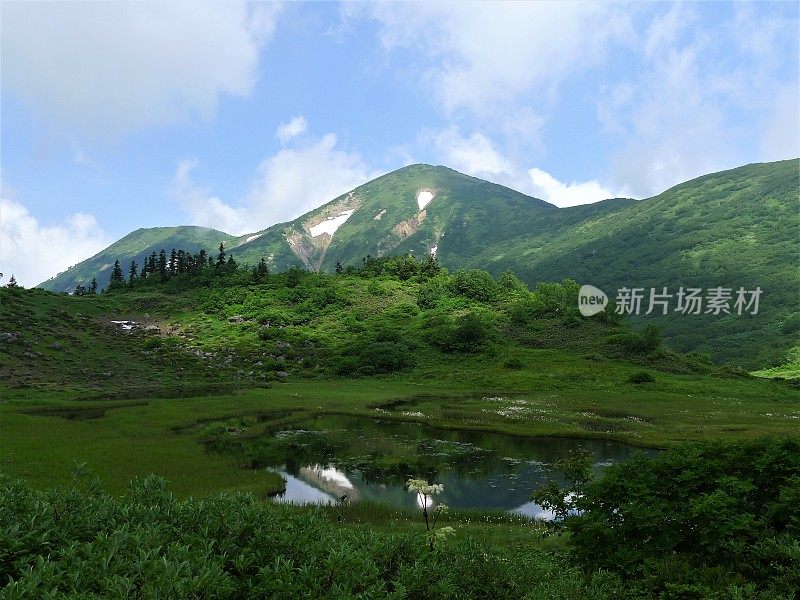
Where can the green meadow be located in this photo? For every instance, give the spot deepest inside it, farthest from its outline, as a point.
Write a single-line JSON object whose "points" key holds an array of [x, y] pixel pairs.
{"points": [[159, 428]]}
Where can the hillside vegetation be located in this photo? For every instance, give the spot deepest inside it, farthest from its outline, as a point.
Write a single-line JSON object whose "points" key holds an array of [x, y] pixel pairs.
{"points": [[166, 376], [732, 229], [135, 246]]}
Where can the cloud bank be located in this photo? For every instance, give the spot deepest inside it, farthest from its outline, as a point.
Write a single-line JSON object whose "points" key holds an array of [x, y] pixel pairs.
{"points": [[108, 68], [34, 252], [284, 186]]}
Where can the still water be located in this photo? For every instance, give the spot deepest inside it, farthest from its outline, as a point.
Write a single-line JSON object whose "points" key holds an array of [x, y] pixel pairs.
{"points": [[328, 456]]}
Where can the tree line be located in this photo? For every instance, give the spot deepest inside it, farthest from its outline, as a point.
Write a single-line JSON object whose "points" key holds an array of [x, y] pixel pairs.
{"points": [[162, 267]]}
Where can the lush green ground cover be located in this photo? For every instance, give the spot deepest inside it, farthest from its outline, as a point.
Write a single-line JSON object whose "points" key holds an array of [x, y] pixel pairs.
{"points": [[397, 339], [701, 521]]}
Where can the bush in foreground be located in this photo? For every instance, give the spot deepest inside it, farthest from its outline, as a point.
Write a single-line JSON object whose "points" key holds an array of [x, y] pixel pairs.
{"points": [[708, 520], [148, 544]]}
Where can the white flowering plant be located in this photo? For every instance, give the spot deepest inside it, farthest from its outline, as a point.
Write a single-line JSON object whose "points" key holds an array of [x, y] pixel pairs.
{"points": [[425, 492]]}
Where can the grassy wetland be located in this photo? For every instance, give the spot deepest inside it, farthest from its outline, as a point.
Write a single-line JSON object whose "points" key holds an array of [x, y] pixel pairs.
{"points": [[191, 401]]}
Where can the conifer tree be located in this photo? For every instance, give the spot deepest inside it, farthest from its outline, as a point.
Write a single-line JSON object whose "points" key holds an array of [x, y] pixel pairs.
{"points": [[221, 255], [173, 262], [79, 290], [116, 276], [338, 269], [151, 264], [162, 264], [93, 287], [263, 270], [132, 272]]}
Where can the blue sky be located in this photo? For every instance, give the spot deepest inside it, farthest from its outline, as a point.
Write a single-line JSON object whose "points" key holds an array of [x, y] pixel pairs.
{"points": [[236, 116]]}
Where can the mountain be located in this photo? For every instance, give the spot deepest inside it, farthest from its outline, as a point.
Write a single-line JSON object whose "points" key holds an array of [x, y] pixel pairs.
{"points": [[136, 246], [418, 209], [736, 228]]}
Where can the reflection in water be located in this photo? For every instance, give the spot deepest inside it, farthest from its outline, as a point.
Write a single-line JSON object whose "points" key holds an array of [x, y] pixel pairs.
{"points": [[327, 457], [300, 492]]}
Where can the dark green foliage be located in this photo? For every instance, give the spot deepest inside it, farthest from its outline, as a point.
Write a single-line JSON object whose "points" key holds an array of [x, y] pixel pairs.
{"points": [[293, 277], [382, 351], [117, 279], [475, 284], [514, 362], [468, 332], [697, 520], [137, 246], [81, 543], [557, 298], [641, 377], [403, 267], [563, 500], [646, 342], [133, 272]]}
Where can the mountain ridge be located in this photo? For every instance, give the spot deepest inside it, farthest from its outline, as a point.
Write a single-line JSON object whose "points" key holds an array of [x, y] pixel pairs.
{"points": [[730, 228]]}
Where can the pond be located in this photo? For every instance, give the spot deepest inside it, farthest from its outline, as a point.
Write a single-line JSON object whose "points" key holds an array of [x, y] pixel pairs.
{"points": [[328, 456]]}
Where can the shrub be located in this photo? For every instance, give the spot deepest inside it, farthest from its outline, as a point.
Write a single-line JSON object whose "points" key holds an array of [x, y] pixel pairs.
{"points": [[510, 283], [468, 333], [646, 342], [557, 298], [641, 377], [82, 543], [431, 292], [382, 350], [474, 284], [697, 521]]}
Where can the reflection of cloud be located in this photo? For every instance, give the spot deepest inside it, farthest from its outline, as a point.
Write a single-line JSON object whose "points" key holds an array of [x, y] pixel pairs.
{"points": [[300, 492], [533, 510], [329, 479], [333, 475]]}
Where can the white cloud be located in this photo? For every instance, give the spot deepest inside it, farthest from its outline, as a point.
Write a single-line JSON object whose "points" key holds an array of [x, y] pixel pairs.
{"points": [[781, 137], [118, 66], [475, 154], [34, 252], [486, 54], [204, 209], [681, 89], [549, 189], [288, 131], [286, 185], [79, 157], [703, 100]]}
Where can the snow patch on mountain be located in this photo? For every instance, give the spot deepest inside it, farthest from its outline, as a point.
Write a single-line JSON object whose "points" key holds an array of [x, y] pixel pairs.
{"points": [[424, 197], [331, 224]]}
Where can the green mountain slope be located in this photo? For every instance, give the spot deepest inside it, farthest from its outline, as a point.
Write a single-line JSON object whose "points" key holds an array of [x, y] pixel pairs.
{"points": [[737, 228], [388, 215], [136, 246]]}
